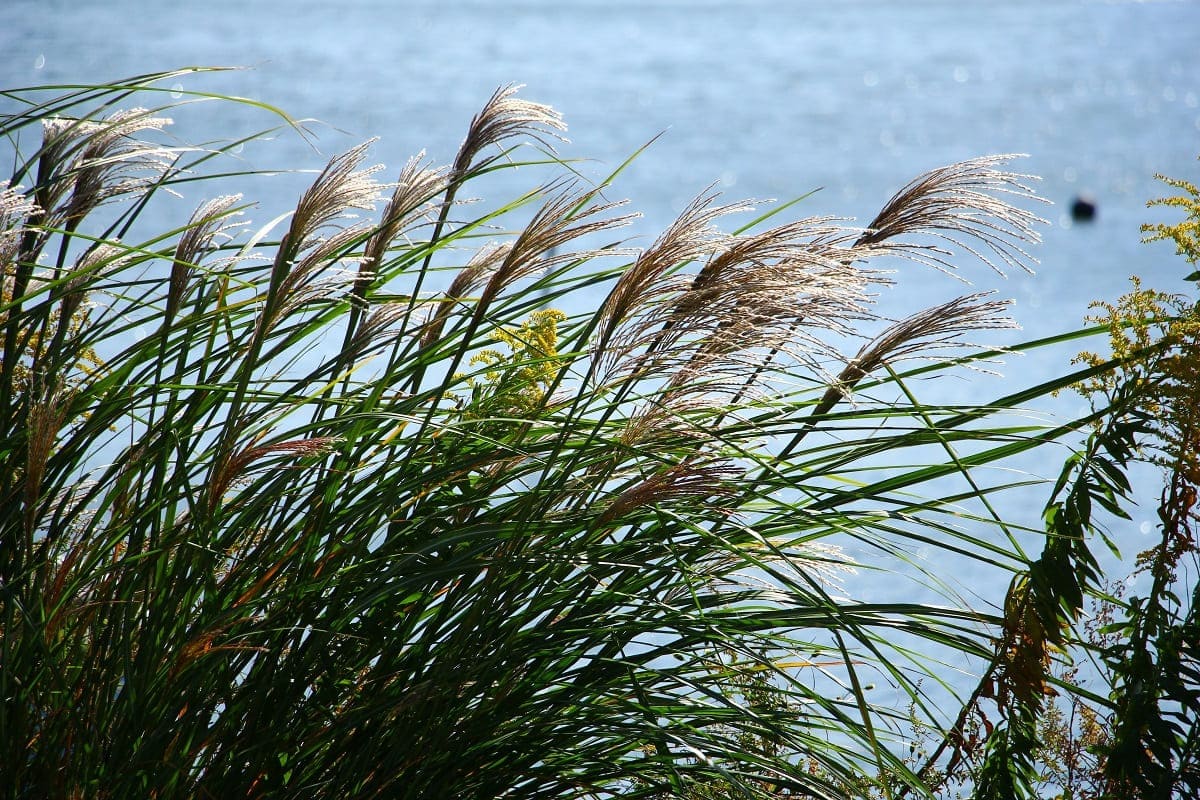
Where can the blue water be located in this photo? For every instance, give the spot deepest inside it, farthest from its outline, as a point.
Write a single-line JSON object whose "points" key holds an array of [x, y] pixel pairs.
{"points": [[769, 98]]}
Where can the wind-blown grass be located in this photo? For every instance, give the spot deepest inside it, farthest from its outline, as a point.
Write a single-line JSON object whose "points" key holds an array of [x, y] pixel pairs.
{"points": [[281, 518]]}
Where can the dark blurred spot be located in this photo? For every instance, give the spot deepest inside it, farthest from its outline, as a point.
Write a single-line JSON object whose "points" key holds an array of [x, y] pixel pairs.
{"points": [[1083, 208]]}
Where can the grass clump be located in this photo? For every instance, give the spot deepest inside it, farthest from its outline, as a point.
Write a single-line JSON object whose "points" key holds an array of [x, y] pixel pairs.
{"points": [[342, 506]]}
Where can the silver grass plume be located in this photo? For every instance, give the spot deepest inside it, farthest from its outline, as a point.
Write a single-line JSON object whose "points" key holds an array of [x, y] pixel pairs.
{"points": [[655, 424], [16, 210], [315, 277], [762, 274], [101, 259], [935, 328], [653, 276], [240, 462], [98, 261], [340, 187], [59, 151], [377, 325], [504, 116], [784, 288], [957, 204], [105, 158], [567, 215], [308, 247], [47, 415], [411, 203], [812, 562], [682, 481], [208, 223], [917, 336], [960, 203], [469, 280]]}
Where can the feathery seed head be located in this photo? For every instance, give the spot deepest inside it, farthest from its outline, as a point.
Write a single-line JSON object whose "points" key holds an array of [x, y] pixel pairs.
{"points": [[309, 248], [919, 336], [16, 209], [936, 328], [410, 204], [105, 158], [340, 187], [469, 280], [541, 245], [209, 222], [778, 289], [378, 322], [682, 481], [505, 117], [692, 236], [957, 204], [56, 157], [47, 415], [671, 418], [324, 271], [239, 462], [103, 259]]}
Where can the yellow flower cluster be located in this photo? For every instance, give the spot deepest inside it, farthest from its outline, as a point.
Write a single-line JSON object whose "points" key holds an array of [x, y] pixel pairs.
{"points": [[85, 363], [1155, 337], [1186, 234], [517, 381]]}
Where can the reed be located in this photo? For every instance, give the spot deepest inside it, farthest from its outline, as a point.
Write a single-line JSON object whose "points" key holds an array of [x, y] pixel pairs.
{"points": [[279, 518]]}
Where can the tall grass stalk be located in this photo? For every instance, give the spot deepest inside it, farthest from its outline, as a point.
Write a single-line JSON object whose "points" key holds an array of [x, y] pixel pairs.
{"points": [[342, 507]]}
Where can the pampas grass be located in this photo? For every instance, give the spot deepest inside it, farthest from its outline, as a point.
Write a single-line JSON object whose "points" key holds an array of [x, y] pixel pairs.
{"points": [[273, 527]]}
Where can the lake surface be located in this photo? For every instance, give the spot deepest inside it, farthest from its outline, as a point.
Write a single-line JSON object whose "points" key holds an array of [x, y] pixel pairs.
{"points": [[770, 99]]}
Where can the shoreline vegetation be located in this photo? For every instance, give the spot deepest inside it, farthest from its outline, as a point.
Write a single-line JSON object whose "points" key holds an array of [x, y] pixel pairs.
{"points": [[342, 503]]}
